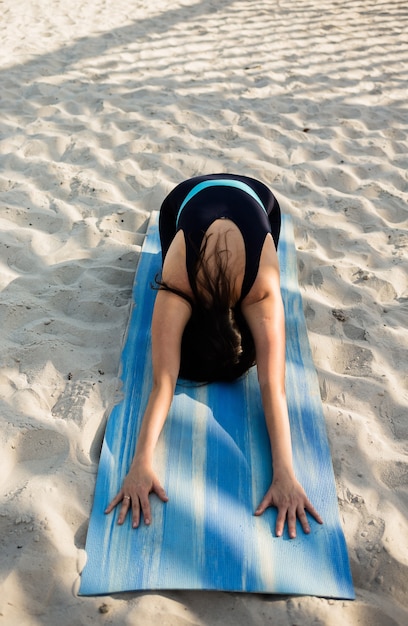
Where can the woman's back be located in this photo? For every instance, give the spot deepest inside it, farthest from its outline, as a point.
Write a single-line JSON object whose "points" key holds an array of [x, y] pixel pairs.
{"points": [[218, 242], [227, 215]]}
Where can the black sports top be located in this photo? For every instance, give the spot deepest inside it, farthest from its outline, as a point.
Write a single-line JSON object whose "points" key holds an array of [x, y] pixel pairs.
{"points": [[196, 203]]}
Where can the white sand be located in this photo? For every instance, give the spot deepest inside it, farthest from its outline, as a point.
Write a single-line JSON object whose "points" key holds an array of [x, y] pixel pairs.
{"points": [[105, 106]]}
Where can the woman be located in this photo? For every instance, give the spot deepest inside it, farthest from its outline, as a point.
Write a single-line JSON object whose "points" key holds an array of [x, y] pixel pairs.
{"points": [[218, 310]]}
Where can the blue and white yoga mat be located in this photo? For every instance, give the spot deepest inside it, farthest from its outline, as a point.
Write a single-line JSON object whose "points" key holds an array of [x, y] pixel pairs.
{"points": [[213, 458]]}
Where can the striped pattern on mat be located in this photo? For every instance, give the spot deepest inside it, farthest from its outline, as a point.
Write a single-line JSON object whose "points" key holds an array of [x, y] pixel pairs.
{"points": [[214, 460]]}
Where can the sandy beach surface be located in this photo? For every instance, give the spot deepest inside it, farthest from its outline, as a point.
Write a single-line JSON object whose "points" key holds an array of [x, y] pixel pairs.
{"points": [[105, 106]]}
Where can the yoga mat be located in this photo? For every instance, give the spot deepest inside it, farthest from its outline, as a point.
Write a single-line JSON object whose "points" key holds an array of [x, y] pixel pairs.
{"points": [[213, 458]]}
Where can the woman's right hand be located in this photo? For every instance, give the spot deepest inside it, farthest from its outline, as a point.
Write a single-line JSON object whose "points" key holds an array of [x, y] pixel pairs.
{"points": [[134, 494]]}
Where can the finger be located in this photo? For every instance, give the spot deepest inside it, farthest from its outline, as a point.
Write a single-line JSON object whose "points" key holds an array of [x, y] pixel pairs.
{"points": [[160, 492], [280, 522], [266, 502], [145, 504], [292, 523], [123, 510], [135, 512], [114, 502], [310, 508], [303, 521]]}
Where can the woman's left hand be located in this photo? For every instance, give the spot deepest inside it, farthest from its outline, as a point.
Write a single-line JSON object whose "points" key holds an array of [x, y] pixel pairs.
{"points": [[288, 496]]}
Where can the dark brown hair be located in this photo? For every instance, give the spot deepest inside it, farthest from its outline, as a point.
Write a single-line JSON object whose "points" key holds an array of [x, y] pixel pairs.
{"points": [[217, 343]]}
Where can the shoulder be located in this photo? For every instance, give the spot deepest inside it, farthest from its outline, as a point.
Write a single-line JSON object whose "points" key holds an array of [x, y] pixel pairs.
{"points": [[170, 316], [174, 271], [267, 282], [263, 307]]}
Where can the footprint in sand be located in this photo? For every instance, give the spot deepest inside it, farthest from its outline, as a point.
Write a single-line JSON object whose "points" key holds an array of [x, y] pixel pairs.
{"points": [[395, 475], [351, 360], [32, 453], [383, 289], [48, 447]]}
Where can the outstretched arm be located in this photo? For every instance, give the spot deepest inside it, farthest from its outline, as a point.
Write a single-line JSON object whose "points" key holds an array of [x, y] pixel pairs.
{"points": [[170, 316], [265, 317]]}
